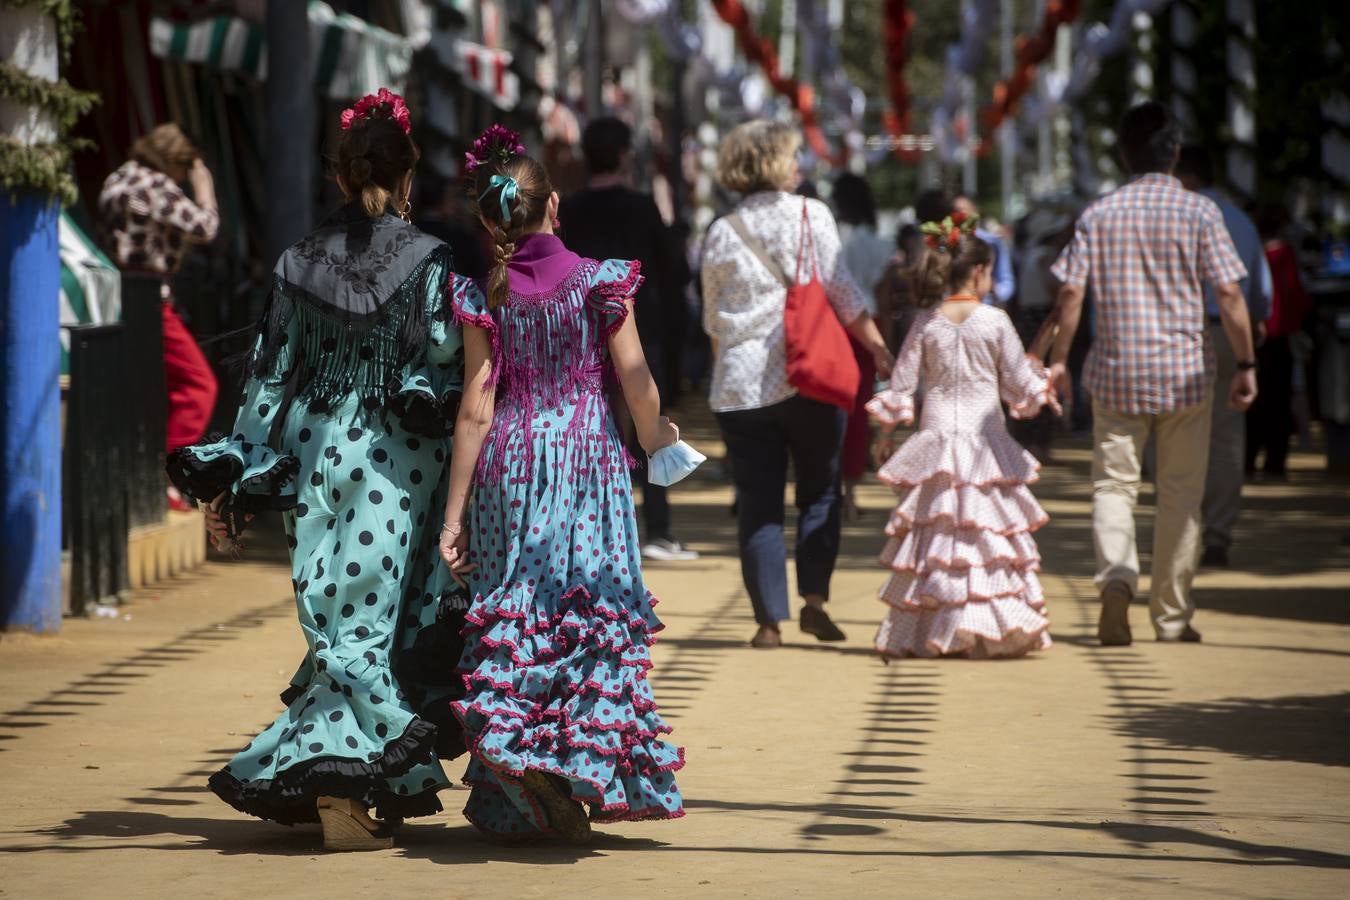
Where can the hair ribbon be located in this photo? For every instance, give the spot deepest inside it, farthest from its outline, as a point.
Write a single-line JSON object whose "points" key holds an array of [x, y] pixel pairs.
{"points": [[509, 188]]}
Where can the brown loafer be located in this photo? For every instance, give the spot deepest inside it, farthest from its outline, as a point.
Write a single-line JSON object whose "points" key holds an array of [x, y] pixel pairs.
{"points": [[565, 816], [817, 622], [1113, 626], [767, 638]]}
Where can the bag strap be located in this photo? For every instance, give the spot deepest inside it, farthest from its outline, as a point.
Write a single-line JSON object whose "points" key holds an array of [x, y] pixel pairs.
{"points": [[757, 248], [806, 238]]}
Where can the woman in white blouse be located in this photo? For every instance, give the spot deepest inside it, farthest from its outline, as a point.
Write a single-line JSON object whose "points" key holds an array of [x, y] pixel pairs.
{"points": [[763, 420]]}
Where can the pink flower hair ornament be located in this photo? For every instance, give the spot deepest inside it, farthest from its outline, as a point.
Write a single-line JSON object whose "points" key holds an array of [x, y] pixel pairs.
{"points": [[498, 144], [384, 101]]}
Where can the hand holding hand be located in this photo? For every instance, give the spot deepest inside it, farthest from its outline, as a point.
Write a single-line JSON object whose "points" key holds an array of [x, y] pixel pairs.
{"points": [[454, 548], [883, 448], [1242, 391]]}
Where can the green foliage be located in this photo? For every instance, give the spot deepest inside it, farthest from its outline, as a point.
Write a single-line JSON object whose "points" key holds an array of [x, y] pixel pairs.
{"points": [[65, 103], [44, 168]]}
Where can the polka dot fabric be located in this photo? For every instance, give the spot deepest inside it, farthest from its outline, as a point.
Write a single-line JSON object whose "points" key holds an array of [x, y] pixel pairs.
{"points": [[362, 522], [557, 637], [962, 559]]}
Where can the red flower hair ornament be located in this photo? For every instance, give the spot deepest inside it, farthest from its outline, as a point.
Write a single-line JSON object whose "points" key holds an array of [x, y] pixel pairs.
{"points": [[385, 103], [498, 144], [946, 235]]}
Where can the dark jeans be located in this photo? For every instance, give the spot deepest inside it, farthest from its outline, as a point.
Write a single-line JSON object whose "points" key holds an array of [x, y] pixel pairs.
{"points": [[759, 444], [1270, 421]]}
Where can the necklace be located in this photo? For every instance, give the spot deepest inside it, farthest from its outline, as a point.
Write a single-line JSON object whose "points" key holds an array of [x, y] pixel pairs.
{"points": [[957, 298]]}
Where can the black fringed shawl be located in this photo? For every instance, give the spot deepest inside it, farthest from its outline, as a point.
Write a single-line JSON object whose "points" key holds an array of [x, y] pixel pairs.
{"points": [[355, 291]]}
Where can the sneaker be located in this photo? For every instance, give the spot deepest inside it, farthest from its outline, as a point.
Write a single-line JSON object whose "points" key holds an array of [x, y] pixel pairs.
{"points": [[667, 550], [1214, 558]]}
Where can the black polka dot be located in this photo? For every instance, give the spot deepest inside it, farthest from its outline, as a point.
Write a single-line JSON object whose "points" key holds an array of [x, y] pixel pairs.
{"points": [[389, 526], [307, 729], [351, 742], [337, 495], [337, 548], [381, 730], [369, 656], [347, 690], [357, 474], [302, 510], [329, 452], [371, 599], [403, 539], [353, 569], [415, 476], [330, 591], [316, 479], [316, 747], [321, 665], [379, 456], [361, 632], [335, 716], [320, 645], [366, 538], [264, 409], [337, 459], [320, 620], [414, 444], [266, 760], [353, 434], [281, 762], [376, 699], [348, 610], [388, 563], [376, 497], [351, 514], [404, 504], [305, 435]]}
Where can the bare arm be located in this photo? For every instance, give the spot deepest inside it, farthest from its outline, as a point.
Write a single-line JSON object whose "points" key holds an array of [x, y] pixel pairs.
{"points": [[1238, 327], [471, 428], [864, 330], [1069, 308], [654, 431]]}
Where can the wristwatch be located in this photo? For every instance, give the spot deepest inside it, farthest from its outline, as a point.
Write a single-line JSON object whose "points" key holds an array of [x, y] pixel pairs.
{"points": [[1244, 365]]}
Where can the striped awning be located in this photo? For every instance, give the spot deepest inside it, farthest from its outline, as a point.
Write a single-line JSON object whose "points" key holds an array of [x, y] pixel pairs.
{"points": [[91, 286], [350, 57]]}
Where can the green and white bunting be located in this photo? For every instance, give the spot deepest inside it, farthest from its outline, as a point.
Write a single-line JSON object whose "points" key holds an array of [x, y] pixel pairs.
{"points": [[91, 286]]}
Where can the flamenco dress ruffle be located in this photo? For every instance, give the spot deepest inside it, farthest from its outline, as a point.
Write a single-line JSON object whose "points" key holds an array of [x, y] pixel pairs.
{"points": [[557, 638], [960, 549]]}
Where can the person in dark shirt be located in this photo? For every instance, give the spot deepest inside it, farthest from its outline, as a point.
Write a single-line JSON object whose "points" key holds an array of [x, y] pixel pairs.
{"points": [[611, 220], [439, 211]]}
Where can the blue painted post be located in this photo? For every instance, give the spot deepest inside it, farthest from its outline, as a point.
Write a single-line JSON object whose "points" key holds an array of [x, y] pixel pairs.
{"points": [[30, 413]]}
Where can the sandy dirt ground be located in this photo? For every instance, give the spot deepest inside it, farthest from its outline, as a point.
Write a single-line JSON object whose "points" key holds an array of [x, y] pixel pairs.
{"points": [[1216, 770]]}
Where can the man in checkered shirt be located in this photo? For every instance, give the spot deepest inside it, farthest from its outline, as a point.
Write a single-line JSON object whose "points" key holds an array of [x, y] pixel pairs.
{"points": [[1146, 249]]}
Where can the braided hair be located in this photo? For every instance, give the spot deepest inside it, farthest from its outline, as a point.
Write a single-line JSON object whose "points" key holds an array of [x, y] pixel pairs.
{"points": [[509, 213]]}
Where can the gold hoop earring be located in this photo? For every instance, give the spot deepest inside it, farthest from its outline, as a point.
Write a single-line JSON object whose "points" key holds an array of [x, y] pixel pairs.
{"points": [[405, 211]]}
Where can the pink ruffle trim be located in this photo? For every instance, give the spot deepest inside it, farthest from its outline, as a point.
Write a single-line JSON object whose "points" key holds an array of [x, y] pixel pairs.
{"points": [[996, 628], [963, 458], [941, 587], [1002, 509], [892, 408]]}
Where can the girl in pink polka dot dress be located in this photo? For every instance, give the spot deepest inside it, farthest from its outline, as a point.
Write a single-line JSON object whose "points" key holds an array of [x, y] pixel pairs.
{"points": [[962, 559]]}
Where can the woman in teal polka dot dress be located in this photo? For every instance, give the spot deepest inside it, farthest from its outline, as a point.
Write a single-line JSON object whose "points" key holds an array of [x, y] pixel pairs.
{"points": [[344, 427]]}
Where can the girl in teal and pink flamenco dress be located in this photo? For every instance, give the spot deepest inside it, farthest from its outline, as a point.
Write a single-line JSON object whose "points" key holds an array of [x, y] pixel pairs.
{"points": [[558, 711]]}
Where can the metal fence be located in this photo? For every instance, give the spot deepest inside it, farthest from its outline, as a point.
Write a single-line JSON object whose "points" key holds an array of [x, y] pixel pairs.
{"points": [[114, 445]]}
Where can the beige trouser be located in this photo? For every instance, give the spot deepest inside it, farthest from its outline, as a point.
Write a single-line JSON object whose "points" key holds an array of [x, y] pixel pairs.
{"points": [[1182, 438], [1227, 440]]}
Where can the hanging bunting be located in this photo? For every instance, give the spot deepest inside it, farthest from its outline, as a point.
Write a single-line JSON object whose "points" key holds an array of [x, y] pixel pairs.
{"points": [[896, 23], [1031, 52], [761, 52]]}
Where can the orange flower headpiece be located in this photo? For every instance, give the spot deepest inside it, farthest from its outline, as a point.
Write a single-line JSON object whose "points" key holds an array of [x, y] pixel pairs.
{"points": [[946, 235]]}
